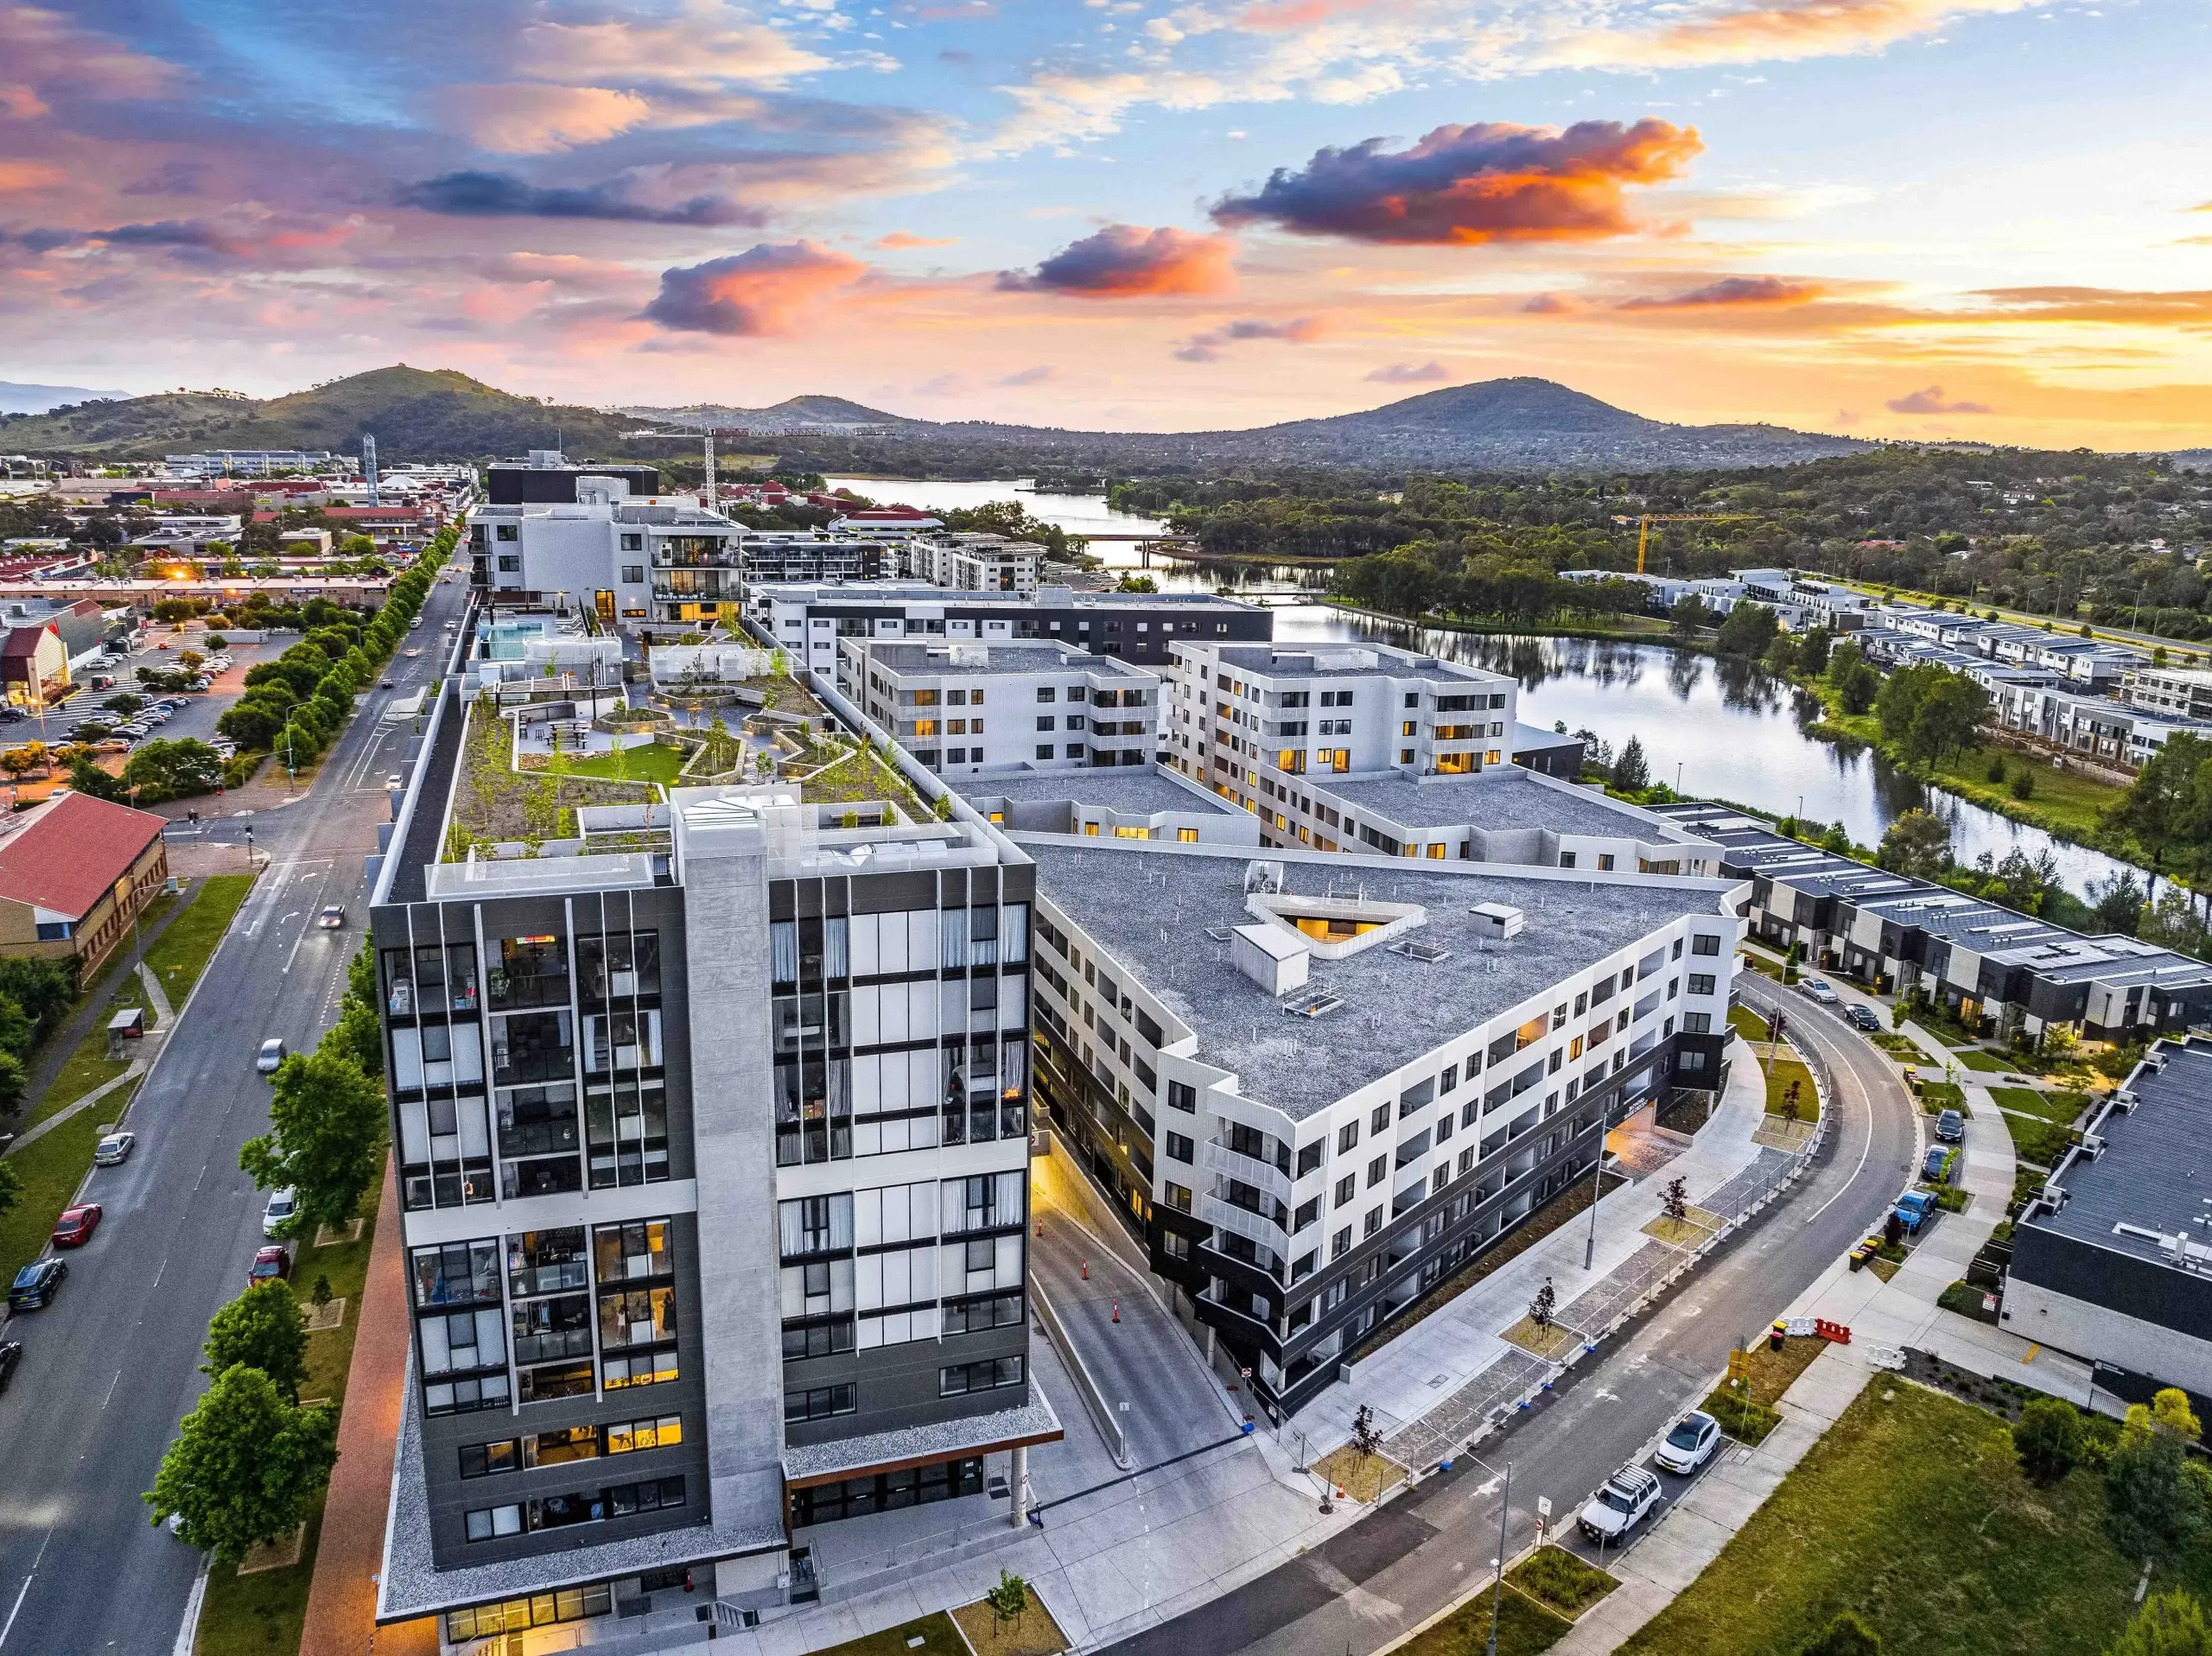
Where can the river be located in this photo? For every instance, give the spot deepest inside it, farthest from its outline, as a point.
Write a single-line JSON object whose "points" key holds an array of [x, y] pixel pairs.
{"points": [[1725, 731]]}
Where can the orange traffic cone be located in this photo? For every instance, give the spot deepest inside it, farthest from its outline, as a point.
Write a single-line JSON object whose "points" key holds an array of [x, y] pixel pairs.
{"points": [[1086, 1270], [1117, 1311]]}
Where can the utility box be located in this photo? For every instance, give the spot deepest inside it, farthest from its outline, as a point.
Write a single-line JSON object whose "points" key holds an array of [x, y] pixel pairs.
{"points": [[1273, 957], [1495, 922]]}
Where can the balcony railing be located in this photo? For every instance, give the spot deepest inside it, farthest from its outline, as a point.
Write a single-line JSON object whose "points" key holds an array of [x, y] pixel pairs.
{"points": [[1249, 1170], [1228, 1216]]}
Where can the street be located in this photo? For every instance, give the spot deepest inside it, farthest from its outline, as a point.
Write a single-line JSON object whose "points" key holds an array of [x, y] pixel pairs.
{"points": [[1428, 1549], [112, 1365]]}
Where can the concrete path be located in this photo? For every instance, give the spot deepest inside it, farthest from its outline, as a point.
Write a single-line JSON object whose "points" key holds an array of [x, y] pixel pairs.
{"points": [[31, 1135]]}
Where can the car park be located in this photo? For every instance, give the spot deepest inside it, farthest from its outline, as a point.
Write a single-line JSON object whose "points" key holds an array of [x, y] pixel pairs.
{"points": [[1690, 1444], [75, 1227], [114, 1150], [282, 1205], [270, 1264], [1951, 1127], [270, 1055], [11, 1354], [1863, 1019], [1620, 1503], [1821, 992], [36, 1284]]}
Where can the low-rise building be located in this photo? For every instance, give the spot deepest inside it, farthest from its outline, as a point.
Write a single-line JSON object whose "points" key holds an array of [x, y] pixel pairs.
{"points": [[34, 667], [632, 561], [966, 708], [74, 882], [2186, 691]]}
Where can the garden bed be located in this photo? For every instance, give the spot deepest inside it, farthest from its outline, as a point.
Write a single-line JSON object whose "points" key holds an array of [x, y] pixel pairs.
{"points": [[1560, 1582], [492, 801], [1361, 1477], [1524, 1628]]}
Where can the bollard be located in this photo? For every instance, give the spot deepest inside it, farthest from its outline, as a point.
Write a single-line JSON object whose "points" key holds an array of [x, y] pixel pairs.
{"points": [[1086, 1270], [1117, 1311]]}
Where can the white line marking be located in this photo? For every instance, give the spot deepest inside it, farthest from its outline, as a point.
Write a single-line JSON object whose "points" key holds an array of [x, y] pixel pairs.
{"points": [[23, 1592]]}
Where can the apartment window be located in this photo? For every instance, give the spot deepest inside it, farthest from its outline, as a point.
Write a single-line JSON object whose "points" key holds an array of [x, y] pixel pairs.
{"points": [[960, 1379], [1705, 943], [1047, 693], [1678, 949], [1374, 1223], [1306, 1213], [1604, 862], [1450, 1080], [1044, 752], [633, 574], [1380, 1121], [1697, 1023], [1700, 983], [1180, 1149], [1340, 1243], [1309, 1158], [1377, 1169], [1178, 1197], [485, 1460], [1347, 1136], [819, 1402], [1347, 1190], [1408, 728], [510, 563], [1183, 1097]]}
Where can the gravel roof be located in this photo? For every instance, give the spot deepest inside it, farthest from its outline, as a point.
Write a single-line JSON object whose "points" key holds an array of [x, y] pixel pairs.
{"points": [[1343, 660], [1505, 796], [1131, 791], [1033, 1421], [919, 657], [1154, 904]]}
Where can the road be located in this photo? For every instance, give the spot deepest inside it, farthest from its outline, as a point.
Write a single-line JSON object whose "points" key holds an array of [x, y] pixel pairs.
{"points": [[112, 1365], [1422, 1552]]}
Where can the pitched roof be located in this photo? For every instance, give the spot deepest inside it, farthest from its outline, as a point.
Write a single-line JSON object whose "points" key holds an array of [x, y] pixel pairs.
{"points": [[68, 860], [21, 641]]}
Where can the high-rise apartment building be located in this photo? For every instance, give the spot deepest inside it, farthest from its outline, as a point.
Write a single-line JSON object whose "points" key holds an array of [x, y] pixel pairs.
{"points": [[965, 707]]}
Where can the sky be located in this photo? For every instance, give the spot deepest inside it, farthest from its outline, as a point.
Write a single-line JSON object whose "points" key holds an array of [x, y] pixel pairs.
{"points": [[1986, 219]]}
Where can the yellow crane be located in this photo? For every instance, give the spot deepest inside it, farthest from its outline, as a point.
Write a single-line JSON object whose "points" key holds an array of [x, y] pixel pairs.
{"points": [[1643, 525]]}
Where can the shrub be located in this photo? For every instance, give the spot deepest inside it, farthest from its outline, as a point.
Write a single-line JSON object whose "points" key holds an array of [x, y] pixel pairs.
{"points": [[1846, 1636], [2048, 1439]]}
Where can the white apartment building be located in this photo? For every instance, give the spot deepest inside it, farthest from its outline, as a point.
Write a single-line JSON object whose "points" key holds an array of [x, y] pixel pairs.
{"points": [[964, 708], [632, 559], [974, 563]]}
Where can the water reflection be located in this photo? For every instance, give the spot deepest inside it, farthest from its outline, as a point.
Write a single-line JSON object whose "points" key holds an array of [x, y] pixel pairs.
{"points": [[1720, 729]]}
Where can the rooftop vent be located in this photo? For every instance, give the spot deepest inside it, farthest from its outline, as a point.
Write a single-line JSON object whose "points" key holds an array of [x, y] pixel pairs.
{"points": [[1498, 921], [1319, 1003], [1427, 953], [1274, 959], [1262, 876], [2127, 1101]]}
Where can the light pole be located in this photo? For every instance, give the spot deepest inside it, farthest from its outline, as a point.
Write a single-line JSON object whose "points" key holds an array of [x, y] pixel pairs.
{"points": [[1597, 1189], [1504, 1508]]}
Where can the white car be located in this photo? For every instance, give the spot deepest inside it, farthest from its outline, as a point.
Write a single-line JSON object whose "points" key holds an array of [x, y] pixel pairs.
{"points": [[282, 1205], [270, 1055], [1690, 1444], [1820, 991], [114, 1150], [1626, 1497]]}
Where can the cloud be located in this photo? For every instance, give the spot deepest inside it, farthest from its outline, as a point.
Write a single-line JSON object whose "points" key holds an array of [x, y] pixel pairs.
{"points": [[2185, 309], [19, 176], [1784, 32], [1930, 400], [1126, 261], [169, 232], [1409, 373], [1042, 374], [1207, 348], [1490, 181], [529, 119], [1732, 293], [693, 54], [756, 292], [503, 195], [898, 238], [1548, 304]]}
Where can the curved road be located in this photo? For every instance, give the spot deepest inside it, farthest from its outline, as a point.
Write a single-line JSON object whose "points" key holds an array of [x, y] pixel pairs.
{"points": [[1428, 1549]]}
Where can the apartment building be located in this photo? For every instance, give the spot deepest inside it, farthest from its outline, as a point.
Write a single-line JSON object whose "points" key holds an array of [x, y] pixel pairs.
{"points": [[713, 1168], [2185, 692], [546, 476], [807, 618], [975, 706], [780, 555], [1317, 1087], [633, 560], [977, 563]]}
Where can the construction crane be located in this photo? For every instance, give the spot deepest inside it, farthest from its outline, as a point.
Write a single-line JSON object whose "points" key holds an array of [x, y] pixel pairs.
{"points": [[1643, 525]]}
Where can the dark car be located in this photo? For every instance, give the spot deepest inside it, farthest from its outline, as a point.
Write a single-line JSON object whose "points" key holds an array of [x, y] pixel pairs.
{"points": [[11, 1353], [1862, 1018], [1951, 1127], [75, 1227], [1933, 1165], [268, 1264], [36, 1284]]}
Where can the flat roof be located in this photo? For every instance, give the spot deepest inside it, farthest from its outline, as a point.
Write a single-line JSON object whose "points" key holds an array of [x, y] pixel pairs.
{"points": [[921, 591], [1154, 904], [1500, 798], [2155, 1173], [1127, 790], [918, 656], [1344, 660]]}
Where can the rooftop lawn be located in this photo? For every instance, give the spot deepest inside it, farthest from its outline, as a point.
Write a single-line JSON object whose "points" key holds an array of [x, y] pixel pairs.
{"points": [[644, 761], [1912, 1512]]}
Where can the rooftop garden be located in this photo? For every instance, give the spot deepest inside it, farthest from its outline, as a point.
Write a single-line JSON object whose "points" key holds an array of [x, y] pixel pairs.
{"points": [[494, 802]]}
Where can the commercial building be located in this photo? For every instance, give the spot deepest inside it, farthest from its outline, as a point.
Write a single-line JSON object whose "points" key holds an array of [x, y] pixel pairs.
{"points": [[633, 561], [2110, 1262], [1318, 1088], [74, 882], [973, 707], [713, 1168], [254, 462], [809, 618], [34, 667]]}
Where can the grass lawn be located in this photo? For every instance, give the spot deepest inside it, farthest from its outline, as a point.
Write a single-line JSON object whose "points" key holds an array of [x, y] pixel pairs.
{"points": [[2040, 1142], [2063, 799], [1748, 1415], [183, 952], [1561, 1581], [1939, 1096], [1524, 1627], [939, 1636], [1783, 1074], [640, 763], [1033, 1633], [1747, 1022], [252, 1615], [50, 1169], [2058, 1108], [1911, 1512], [1988, 1062]]}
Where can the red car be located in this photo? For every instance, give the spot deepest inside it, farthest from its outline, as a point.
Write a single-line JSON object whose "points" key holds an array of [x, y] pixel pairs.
{"points": [[268, 1264], [75, 1227]]}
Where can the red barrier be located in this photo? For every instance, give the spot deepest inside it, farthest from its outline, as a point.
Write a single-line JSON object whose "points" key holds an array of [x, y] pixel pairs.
{"points": [[1839, 1333]]}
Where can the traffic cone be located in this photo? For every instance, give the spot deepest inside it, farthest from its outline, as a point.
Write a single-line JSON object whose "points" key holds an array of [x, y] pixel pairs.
{"points": [[1086, 1270], [1117, 1311]]}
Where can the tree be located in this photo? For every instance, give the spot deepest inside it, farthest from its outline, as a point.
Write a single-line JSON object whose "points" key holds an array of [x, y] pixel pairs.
{"points": [[1748, 630], [2153, 1506], [93, 782], [245, 1467], [1848, 1635], [1631, 771], [2170, 1624], [11, 1188], [1855, 683], [1918, 843], [1678, 1202], [42, 988], [2172, 922], [1929, 712], [1010, 1599], [357, 1036], [1366, 1438], [1689, 614], [1812, 650], [328, 1120], [173, 770], [2048, 1440], [1541, 1307], [263, 1328], [14, 1081], [2165, 803], [251, 724]]}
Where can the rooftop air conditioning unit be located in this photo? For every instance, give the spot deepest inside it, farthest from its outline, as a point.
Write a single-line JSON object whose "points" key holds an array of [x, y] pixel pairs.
{"points": [[2052, 1197], [2092, 1145], [2126, 1099], [1498, 921]]}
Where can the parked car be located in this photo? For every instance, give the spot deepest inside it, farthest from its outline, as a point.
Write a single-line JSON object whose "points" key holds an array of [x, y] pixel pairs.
{"points": [[1951, 1127], [1820, 990], [114, 1150], [271, 1055], [75, 1227], [11, 1353], [332, 918], [282, 1205], [36, 1284], [268, 1264], [1934, 1166], [1627, 1497], [1863, 1018], [1691, 1444], [1913, 1209]]}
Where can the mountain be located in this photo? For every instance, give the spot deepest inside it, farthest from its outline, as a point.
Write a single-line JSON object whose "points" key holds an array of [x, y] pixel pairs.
{"points": [[416, 414], [18, 399], [793, 414]]}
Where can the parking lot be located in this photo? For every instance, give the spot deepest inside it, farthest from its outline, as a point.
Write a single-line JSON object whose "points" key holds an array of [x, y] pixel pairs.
{"points": [[1673, 1489]]}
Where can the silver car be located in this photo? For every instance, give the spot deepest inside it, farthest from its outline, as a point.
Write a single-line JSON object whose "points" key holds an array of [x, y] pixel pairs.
{"points": [[114, 1150], [270, 1057]]}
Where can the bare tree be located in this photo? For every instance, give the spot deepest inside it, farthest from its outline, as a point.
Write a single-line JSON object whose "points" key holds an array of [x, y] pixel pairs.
{"points": [[1541, 1308], [1678, 1202]]}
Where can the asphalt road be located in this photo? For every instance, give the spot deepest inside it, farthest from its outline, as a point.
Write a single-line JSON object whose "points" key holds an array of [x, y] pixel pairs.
{"points": [[1422, 1552], [111, 1366]]}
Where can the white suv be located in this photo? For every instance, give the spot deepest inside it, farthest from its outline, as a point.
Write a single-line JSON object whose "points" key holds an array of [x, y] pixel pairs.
{"points": [[1627, 1496]]}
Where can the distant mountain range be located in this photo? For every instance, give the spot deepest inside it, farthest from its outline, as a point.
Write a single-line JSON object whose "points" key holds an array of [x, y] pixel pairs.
{"points": [[422, 415], [18, 399]]}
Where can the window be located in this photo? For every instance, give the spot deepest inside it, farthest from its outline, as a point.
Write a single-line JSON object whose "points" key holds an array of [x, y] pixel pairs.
{"points": [[1705, 943], [1381, 1120], [1697, 1023], [484, 1460], [1374, 1223], [633, 574], [1347, 1136], [820, 1403], [976, 1315], [647, 1368], [1377, 1169], [1347, 1190], [989, 1374], [1178, 1197], [1181, 1096], [1678, 949], [1700, 983], [1309, 1158], [1180, 1149], [1306, 1213], [1047, 693], [1451, 1078]]}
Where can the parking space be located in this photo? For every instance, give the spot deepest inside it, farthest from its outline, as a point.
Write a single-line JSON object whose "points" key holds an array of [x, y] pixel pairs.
{"points": [[195, 714], [1674, 1487]]}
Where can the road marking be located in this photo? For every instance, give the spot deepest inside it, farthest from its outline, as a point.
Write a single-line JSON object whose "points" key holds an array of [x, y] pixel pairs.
{"points": [[1864, 1152], [2033, 1349], [111, 1385], [7, 1626]]}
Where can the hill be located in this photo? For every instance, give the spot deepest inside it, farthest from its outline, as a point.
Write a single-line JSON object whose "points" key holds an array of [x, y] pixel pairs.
{"points": [[793, 414], [416, 415], [17, 397]]}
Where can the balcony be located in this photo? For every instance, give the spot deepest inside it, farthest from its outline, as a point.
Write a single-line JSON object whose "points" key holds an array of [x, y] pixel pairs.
{"points": [[1246, 1169], [1224, 1215]]}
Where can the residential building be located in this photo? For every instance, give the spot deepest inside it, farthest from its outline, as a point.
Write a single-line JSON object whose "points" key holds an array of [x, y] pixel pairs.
{"points": [[806, 555], [1150, 803], [712, 1156], [1317, 1090], [807, 618], [2183, 690], [975, 707], [253, 462], [978, 564], [633, 561], [2110, 1262], [74, 882], [547, 478], [887, 523]]}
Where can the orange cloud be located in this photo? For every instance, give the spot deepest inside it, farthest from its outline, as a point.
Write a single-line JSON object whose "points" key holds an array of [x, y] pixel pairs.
{"points": [[756, 292], [1732, 293], [1127, 262], [1273, 15], [527, 119], [898, 238], [2192, 309], [1490, 181], [27, 176], [1790, 30]]}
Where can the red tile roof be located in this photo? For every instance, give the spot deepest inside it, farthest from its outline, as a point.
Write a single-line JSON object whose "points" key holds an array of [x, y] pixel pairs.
{"points": [[70, 858]]}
